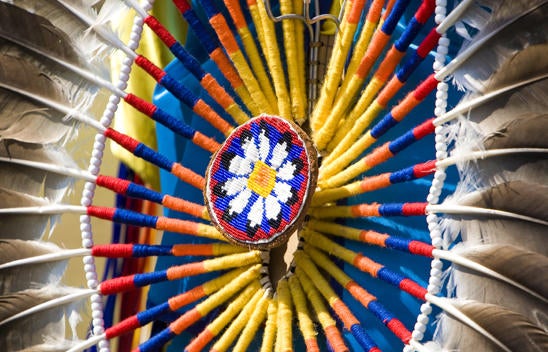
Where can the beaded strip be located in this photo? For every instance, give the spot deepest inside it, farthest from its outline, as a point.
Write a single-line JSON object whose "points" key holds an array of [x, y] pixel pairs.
{"points": [[89, 187], [434, 283]]}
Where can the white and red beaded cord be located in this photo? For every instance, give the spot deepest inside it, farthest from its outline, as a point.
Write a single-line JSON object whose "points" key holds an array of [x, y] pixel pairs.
{"points": [[436, 265], [94, 167]]}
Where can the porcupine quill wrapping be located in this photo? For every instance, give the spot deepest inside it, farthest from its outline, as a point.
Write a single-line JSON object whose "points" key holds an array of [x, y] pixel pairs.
{"points": [[504, 108]]}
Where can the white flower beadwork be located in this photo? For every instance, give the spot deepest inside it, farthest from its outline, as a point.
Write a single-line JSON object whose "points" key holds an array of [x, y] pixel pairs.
{"points": [[257, 183], [276, 191]]}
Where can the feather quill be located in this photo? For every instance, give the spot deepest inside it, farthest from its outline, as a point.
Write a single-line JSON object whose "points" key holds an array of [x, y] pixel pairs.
{"points": [[24, 226], [47, 89], [489, 50], [35, 316], [20, 277], [507, 330], [31, 180], [520, 265], [88, 45]]}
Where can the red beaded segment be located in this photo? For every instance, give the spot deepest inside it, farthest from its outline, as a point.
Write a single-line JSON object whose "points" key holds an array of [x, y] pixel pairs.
{"points": [[122, 327], [160, 30], [424, 169], [142, 105], [428, 43], [117, 185], [397, 327], [413, 288], [414, 209], [182, 5], [113, 251], [123, 140], [157, 73], [101, 212], [117, 285], [421, 248]]}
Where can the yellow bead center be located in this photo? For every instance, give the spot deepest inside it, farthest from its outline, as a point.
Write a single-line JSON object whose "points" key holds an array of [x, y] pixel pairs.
{"points": [[262, 179]]}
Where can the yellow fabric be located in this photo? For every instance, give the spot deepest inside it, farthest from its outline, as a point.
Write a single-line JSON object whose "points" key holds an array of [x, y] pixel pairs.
{"points": [[256, 63], [322, 312], [128, 120]]}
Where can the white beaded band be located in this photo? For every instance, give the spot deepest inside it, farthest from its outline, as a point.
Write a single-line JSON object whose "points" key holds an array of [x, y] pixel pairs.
{"points": [[432, 220], [89, 187]]}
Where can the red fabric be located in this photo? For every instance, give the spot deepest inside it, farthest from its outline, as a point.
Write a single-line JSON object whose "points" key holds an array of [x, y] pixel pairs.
{"points": [[424, 129]]}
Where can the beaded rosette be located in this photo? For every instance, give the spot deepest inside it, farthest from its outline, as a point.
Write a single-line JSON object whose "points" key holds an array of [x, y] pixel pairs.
{"points": [[262, 244], [258, 183]]}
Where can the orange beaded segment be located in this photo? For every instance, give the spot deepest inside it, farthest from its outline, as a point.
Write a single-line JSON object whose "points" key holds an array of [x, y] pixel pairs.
{"points": [[185, 298], [335, 339], [183, 206], [188, 176], [190, 269], [373, 237]]}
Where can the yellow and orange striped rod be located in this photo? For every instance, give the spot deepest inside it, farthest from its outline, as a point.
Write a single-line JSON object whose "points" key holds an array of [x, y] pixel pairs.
{"points": [[215, 300], [284, 336], [229, 43], [335, 67], [236, 326], [256, 319], [216, 326], [306, 325], [372, 22], [323, 315], [251, 51], [274, 61], [269, 334]]}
